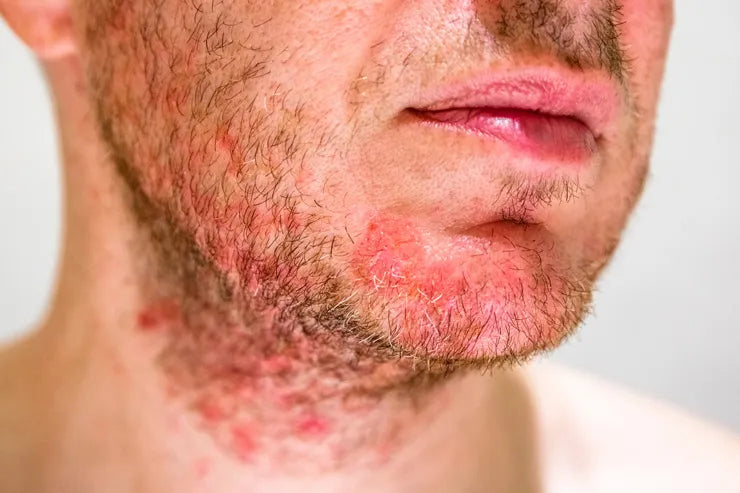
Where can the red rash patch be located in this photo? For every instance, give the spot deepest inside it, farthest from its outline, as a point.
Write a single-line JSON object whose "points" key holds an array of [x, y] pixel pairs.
{"points": [[312, 426], [227, 142], [453, 295], [276, 365], [242, 437], [210, 410], [158, 314], [392, 257]]}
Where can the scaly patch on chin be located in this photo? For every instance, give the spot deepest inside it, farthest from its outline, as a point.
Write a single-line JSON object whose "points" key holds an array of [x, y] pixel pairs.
{"points": [[501, 296]]}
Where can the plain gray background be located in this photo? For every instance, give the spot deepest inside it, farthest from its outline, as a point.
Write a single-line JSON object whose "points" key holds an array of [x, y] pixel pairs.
{"points": [[667, 320]]}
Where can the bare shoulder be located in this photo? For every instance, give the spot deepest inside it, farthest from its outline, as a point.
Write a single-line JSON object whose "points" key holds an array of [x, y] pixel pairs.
{"points": [[19, 382], [597, 436]]}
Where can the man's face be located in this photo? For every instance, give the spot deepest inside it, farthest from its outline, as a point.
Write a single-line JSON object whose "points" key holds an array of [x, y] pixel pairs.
{"points": [[443, 178]]}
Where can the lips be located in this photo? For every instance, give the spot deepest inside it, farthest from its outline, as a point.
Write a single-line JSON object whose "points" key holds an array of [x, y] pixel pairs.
{"points": [[546, 113], [545, 136]]}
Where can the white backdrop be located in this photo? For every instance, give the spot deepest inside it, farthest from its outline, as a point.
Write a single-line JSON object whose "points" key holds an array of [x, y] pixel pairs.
{"points": [[667, 317]]}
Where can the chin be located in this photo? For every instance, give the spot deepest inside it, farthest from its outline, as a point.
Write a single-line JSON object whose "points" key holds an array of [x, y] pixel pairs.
{"points": [[481, 327], [499, 295]]}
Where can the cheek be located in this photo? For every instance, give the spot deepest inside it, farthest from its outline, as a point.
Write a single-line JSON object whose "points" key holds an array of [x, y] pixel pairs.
{"points": [[593, 225], [646, 33]]}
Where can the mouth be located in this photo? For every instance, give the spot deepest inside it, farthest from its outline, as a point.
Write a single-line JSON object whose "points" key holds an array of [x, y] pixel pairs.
{"points": [[543, 135], [547, 114]]}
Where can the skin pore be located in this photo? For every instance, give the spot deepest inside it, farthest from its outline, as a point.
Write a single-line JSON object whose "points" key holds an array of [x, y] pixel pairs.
{"points": [[282, 278]]}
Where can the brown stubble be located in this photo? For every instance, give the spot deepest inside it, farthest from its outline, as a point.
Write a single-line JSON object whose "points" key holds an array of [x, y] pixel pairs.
{"points": [[210, 148], [261, 333]]}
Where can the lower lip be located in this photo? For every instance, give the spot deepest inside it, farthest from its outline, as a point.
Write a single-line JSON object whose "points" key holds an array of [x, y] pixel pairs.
{"points": [[545, 136]]}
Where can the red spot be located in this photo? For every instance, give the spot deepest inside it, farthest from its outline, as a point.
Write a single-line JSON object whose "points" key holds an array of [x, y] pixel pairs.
{"points": [[312, 426], [287, 400], [202, 468], [210, 410], [305, 176], [158, 314], [243, 441], [276, 364], [392, 257], [227, 142]]}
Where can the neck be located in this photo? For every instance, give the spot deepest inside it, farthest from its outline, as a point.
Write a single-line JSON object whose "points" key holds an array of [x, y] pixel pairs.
{"points": [[200, 393]]}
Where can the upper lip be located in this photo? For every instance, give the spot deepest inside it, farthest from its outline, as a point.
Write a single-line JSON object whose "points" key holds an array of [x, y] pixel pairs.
{"points": [[593, 99]]}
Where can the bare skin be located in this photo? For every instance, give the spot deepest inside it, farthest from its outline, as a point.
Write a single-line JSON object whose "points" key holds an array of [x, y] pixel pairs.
{"points": [[274, 280]]}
